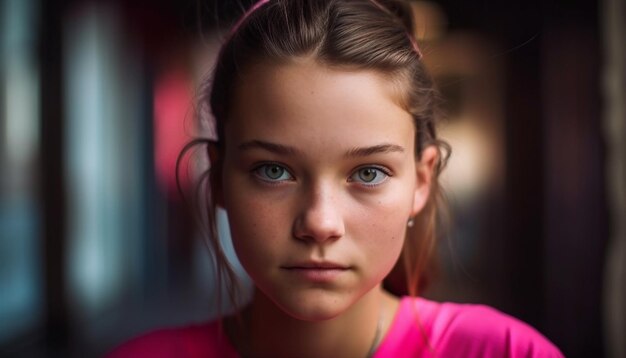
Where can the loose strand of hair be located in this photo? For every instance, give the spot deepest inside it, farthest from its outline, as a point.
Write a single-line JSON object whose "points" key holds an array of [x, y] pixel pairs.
{"points": [[205, 215]]}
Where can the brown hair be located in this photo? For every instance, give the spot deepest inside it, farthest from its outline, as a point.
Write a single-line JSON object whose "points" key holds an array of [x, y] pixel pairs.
{"points": [[353, 34]]}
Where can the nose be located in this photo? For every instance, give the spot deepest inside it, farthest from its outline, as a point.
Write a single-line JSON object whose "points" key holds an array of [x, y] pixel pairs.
{"points": [[320, 218]]}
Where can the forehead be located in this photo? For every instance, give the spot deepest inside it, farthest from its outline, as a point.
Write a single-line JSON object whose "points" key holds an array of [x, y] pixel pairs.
{"points": [[305, 99]]}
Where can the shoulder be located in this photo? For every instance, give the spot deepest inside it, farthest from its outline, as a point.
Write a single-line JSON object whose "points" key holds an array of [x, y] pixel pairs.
{"points": [[203, 340], [468, 330], [478, 330]]}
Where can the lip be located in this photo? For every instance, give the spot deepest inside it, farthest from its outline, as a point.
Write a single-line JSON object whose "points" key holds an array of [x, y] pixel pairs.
{"points": [[319, 265], [317, 272]]}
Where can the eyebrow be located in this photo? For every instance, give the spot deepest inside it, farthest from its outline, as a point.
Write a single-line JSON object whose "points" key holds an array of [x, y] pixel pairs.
{"points": [[281, 149], [268, 146], [376, 149]]}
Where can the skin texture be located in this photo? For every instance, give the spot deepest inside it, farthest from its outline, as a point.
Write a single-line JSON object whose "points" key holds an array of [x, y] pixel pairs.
{"points": [[319, 169]]}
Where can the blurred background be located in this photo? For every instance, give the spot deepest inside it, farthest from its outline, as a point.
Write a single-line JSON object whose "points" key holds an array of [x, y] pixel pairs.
{"points": [[96, 101]]}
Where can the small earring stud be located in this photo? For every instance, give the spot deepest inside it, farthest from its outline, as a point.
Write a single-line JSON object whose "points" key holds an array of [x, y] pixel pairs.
{"points": [[411, 222]]}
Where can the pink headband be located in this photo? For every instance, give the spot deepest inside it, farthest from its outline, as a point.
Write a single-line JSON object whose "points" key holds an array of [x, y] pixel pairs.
{"points": [[260, 3], [247, 14], [414, 43]]}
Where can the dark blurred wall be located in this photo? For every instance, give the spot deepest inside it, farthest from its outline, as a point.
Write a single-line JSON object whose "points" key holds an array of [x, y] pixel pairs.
{"points": [[613, 25], [557, 219]]}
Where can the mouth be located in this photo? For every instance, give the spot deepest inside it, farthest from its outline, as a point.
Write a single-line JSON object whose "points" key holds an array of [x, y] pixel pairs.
{"points": [[318, 272], [316, 265]]}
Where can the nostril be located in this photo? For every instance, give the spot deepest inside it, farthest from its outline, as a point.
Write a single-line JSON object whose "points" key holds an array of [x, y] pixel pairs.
{"points": [[319, 223]]}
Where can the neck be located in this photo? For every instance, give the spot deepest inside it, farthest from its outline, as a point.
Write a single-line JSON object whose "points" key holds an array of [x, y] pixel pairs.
{"points": [[268, 331]]}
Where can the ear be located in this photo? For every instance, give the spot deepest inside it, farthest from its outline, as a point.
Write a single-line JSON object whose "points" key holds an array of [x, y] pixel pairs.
{"points": [[215, 176], [425, 170]]}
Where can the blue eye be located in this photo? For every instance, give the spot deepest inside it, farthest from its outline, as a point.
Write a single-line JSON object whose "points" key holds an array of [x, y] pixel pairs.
{"points": [[369, 176], [272, 172]]}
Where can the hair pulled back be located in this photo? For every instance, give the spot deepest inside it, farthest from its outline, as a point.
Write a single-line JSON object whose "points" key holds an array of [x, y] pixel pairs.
{"points": [[352, 34]]}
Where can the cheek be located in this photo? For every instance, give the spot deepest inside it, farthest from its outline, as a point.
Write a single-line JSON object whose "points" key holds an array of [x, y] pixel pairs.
{"points": [[388, 212], [384, 235], [381, 227], [256, 225]]}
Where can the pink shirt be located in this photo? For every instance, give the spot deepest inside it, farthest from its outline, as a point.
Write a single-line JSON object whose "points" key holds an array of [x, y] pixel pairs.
{"points": [[421, 328]]}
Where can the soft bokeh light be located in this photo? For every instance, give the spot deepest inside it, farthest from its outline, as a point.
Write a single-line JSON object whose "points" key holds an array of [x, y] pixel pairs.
{"points": [[21, 304], [98, 97]]}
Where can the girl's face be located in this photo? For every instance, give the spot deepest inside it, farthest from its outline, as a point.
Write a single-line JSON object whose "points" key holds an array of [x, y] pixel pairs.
{"points": [[319, 179]]}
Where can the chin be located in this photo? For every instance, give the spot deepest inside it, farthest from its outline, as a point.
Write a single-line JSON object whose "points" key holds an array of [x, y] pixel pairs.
{"points": [[315, 306], [312, 313]]}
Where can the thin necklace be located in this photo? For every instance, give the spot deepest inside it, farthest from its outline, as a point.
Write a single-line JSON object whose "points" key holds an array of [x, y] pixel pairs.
{"points": [[370, 352], [379, 326]]}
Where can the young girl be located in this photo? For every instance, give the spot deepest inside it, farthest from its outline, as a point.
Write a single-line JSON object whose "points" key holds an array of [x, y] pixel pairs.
{"points": [[326, 162]]}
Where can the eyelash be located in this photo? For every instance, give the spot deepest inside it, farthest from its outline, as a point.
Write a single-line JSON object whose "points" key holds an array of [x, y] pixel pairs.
{"points": [[260, 172], [257, 171], [378, 169]]}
